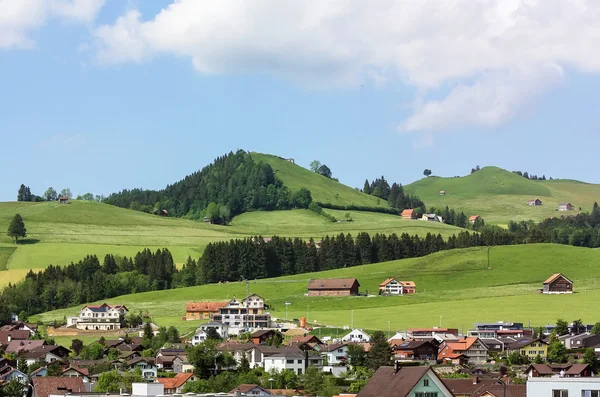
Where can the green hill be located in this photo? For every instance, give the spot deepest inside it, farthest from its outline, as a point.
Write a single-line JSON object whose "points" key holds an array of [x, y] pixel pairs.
{"points": [[455, 285], [323, 189], [499, 195]]}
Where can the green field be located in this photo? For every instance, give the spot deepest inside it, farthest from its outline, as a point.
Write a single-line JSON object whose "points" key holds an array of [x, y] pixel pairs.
{"points": [[500, 196], [456, 285]]}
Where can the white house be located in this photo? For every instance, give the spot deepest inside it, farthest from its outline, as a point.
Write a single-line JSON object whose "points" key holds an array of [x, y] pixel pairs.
{"points": [[357, 336], [564, 387], [432, 218], [146, 365], [99, 317], [390, 286], [335, 354], [222, 329], [247, 314], [291, 360]]}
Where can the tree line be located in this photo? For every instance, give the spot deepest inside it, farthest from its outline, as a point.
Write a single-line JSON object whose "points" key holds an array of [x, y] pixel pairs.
{"points": [[394, 194], [531, 177]]}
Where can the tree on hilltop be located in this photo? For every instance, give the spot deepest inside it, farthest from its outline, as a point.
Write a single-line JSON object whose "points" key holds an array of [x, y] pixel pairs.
{"points": [[17, 228], [427, 172], [51, 194], [325, 171], [315, 165]]}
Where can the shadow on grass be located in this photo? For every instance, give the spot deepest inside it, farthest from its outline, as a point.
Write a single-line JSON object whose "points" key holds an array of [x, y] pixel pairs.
{"points": [[28, 241]]}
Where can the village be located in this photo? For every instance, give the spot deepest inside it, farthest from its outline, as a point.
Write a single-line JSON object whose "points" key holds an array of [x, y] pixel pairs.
{"points": [[495, 357]]}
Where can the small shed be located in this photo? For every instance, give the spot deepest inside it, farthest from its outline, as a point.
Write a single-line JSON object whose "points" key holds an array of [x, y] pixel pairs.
{"points": [[558, 284], [565, 207], [442, 192], [63, 200], [409, 214], [535, 202]]}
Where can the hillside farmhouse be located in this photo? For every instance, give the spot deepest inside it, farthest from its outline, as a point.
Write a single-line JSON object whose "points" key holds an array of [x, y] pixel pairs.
{"points": [[565, 207], [535, 202], [558, 284], [333, 287], [63, 200], [202, 310], [473, 218], [432, 218], [409, 214], [102, 317], [392, 286]]}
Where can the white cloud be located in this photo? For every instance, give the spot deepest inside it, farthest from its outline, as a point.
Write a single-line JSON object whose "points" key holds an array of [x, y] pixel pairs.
{"points": [[495, 57], [18, 18]]}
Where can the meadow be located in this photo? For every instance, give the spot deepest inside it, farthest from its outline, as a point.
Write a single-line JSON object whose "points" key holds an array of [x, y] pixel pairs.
{"points": [[454, 287]]}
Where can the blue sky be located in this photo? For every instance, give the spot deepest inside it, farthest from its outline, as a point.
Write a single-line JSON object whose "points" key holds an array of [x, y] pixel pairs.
{"points": [[131, 94]]}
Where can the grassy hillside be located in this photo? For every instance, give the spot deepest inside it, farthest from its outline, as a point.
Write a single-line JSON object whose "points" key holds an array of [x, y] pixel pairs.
{"points": [[60, 233], [323, 189], [499, 195], [456, 285]]}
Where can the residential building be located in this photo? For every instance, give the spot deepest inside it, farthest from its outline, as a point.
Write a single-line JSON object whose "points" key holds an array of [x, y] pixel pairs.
{"points": [[202, 310], [561, 370], [146, 365], [14, 374], [182, 364], [558, 284], [473, 218], [392, 286], [201, 333], [417, 333], [535, 202], [565, 207], [247, 314], [356, 336], [260, 337], [99, 317], [473, 386], [20, 346], [400, 381], [473, 349], [43, 386], [333, 287], [46, 353], [416, 350], [301, 341], [175, 385], [432, 218], [63, 200], [409, 214], [530, 348], [286, 359], [165, 357], [250, 390], [7, 336], [74, 372], [563, 387], [335, 354], [579, 341]]}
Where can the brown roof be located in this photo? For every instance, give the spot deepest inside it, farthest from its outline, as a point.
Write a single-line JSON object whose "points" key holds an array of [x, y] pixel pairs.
{"points": [[466, 386], [407, 212], [263, 332], [235, 346], [500, 391], [576, 369], [205, 306], [473, 217], [14, 335], [387, 280], [299, 340], [554, 277], [332, 283], [247, 388], [45, 385], [386, 382], [82, 371], [332, 347], [286, 392], [17, 346], [408, 283], [177, 381]]}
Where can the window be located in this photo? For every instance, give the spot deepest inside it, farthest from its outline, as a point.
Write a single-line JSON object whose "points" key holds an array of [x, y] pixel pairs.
{"points": [[590, 393], [299, 361], [426, 394], [560, 393], [290, 361], [426, 382], [299, 371]]}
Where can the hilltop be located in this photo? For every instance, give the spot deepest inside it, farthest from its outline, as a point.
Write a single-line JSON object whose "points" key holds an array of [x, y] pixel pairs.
{"points": [[453, 284], [500, 196]]}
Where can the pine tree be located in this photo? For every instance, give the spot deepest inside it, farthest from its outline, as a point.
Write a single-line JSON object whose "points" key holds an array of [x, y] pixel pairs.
{"points": [[366, 187], [17, 229], [380, 353]]}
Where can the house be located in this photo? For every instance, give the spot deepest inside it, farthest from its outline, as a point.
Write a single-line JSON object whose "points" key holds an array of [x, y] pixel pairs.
{"points": [[175, 385], [428, 333], [43, 386], [401, 381], [563, 387], [99, 317], [74, 372], [15, 374], [286, 359], [409, 214], [145, 364], [416, 350], [472, 348], [535, 202], [19, 346], [300, 340], [558, 284], [335, 354], [442, 192], [473, 218], [202, 310], [250, 390], [530, 348], [356, 336], [432, 218], [333, 287], [579, 341], [165, 357], [562, 370], [260, 337], [20, 326], [392, 286], [468, 387], [7, 336], [63, 200], [565, 207], [247, 314], [201, 333], [182, 364], [46, 353]]}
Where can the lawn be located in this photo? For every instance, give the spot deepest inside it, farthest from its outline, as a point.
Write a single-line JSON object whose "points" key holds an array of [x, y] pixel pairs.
{"points": [[5, 253], [456, 285]]}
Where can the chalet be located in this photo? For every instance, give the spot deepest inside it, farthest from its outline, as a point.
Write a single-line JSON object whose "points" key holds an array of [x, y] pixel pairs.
{"points": [[175, 385], [357, 336], [146, 365], [530, 348], [409, 214], [392, 286], [417, 350], [202, 310], [535, 202], [336, 353], [333, 287], [398, 381], [250, 389], [472, 348], [473, 218], [559, 370], [99, 317], [63, 199], [245, 314], [74, 372], [260, 337], [558, 284], [432, 218], [565, 207], [46, 353]]}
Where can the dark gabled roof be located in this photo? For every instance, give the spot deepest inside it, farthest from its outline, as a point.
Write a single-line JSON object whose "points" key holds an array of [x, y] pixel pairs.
{"points": [[45, 349], [332, 347], [14, 335], [411, 345], [556, 276], [263, 332], [45, 385], [386, 382], [149, 360], [300, 340], [16, 346], [466, 386], [246, 388], [508, 391], [332, 283], [234, 346]]}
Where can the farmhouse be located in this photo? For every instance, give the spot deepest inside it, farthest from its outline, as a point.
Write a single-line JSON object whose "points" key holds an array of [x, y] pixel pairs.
{"points": [[558, 284], [392, 286], [202, 310], [63, 199], [473, 218], [357, 336], [565, 207], [100, 317], [409, 214], [535, 202], [333, 287], [432, 218]]}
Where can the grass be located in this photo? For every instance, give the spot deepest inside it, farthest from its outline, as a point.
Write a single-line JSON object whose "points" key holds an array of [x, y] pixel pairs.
{"points": [[456, 285], [499, 195], [323, 189], [5, 254]]}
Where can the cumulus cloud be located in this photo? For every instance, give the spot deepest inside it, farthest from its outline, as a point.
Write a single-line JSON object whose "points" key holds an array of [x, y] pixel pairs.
{"points": [[20, 17], [490, 58]]}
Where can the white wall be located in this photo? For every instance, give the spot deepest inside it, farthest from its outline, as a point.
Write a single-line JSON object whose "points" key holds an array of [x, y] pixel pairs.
{"points": [[280, 364], [542, 387], [148, 389]]}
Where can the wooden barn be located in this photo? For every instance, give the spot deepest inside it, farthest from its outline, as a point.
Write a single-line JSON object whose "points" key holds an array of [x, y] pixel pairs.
{"points": [[558, 284], [333, 287]]}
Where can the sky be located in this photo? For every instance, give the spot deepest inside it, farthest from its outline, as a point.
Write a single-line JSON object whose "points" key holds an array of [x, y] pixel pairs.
{"points": [[101, 95]]}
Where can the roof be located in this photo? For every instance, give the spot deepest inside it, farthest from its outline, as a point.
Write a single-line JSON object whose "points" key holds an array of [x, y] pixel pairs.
{"points": [[554, 369], [332, 347], [234, 346], [246, 388], [177, 381], [82, 371], [103, 307], [16, 346], [473, 217], [299, 340], [411, 345], [407, 212], [466, 386], [561, 204], [501, 391], [43, 350], [286, 351], [14, 335], [536, 199], [332, 283], [576, 369], [462, 344], [149, 360], [386, 382], [408, 283], [386, 282], [205, 306], [262, 332], [45, 385], [554, 277]]}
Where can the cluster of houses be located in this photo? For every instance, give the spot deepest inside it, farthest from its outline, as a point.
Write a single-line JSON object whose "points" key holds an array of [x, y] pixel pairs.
{"points": [[561, 206], [411, 214]]}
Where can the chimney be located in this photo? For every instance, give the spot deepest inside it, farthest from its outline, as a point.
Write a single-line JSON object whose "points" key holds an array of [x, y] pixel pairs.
{"points": [[396, 367], [475, 380]]}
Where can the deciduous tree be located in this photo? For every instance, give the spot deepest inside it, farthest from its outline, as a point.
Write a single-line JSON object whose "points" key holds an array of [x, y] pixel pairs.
{"points": [[315, 165], [17, 229], [51, 194]]}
